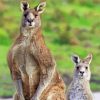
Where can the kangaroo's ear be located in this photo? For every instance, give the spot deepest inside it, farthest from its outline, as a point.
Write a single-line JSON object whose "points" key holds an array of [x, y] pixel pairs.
{"points": [[24, 5], [41, 7], [75, 59], [88, 59]]}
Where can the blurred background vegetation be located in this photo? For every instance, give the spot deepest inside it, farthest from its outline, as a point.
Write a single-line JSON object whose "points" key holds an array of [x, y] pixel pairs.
{"points": [[69, 26]]}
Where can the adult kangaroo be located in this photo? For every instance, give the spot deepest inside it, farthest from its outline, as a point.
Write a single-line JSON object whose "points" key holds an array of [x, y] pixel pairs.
{"points": [[32, 66]]}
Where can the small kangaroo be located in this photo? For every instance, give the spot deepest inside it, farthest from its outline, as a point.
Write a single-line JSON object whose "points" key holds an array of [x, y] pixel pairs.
{"points": [[80, 87], [32, 66]]}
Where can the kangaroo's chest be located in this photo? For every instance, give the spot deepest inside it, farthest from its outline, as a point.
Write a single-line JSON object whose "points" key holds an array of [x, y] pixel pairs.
{"points": [[78, 92], [24, 58], [27, 65]]}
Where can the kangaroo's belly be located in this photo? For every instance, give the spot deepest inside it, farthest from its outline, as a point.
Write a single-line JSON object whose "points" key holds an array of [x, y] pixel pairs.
{"points": [[28, 68], [24, 60], [32, 70], [30, 74], [77, 96], [78, 93]]}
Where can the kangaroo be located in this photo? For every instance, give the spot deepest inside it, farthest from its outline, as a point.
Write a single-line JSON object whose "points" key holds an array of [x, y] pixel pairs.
{"points": [[32, 66], [80, 87]]}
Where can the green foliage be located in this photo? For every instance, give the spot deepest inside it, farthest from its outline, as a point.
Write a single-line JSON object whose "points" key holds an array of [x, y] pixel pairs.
{"points": [[6, 85], [4, 38], [3, 33]]}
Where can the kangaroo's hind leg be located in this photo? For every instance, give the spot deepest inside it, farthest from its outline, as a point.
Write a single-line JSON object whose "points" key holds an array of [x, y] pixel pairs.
{"points": [[55, 93], [17, 97]]}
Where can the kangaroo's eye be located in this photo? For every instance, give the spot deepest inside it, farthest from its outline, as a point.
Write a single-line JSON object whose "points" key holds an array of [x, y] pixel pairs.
{"points": [[86, 67], [28, 20], [36, 15], [25, 15], [32, 20], [77, 67]]}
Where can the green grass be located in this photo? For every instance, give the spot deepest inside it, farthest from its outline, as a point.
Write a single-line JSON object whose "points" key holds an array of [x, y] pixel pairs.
{"points": [[95, 87], [6, 85]]}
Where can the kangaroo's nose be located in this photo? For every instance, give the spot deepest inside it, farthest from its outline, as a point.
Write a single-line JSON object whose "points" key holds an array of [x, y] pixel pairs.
{"points": [[30, 20], [30, 24], [82, 72]]}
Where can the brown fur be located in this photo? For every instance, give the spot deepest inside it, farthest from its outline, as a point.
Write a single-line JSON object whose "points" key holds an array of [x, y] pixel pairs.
{"points": [[45, 60], [31, 62]]}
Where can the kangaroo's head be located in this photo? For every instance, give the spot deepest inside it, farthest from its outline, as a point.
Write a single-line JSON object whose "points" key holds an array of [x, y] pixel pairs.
{"points": [[82, 67], [31, 16]]}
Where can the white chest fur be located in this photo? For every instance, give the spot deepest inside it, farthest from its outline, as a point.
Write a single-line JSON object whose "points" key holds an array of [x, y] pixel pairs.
{"points": [[77, 91]]}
